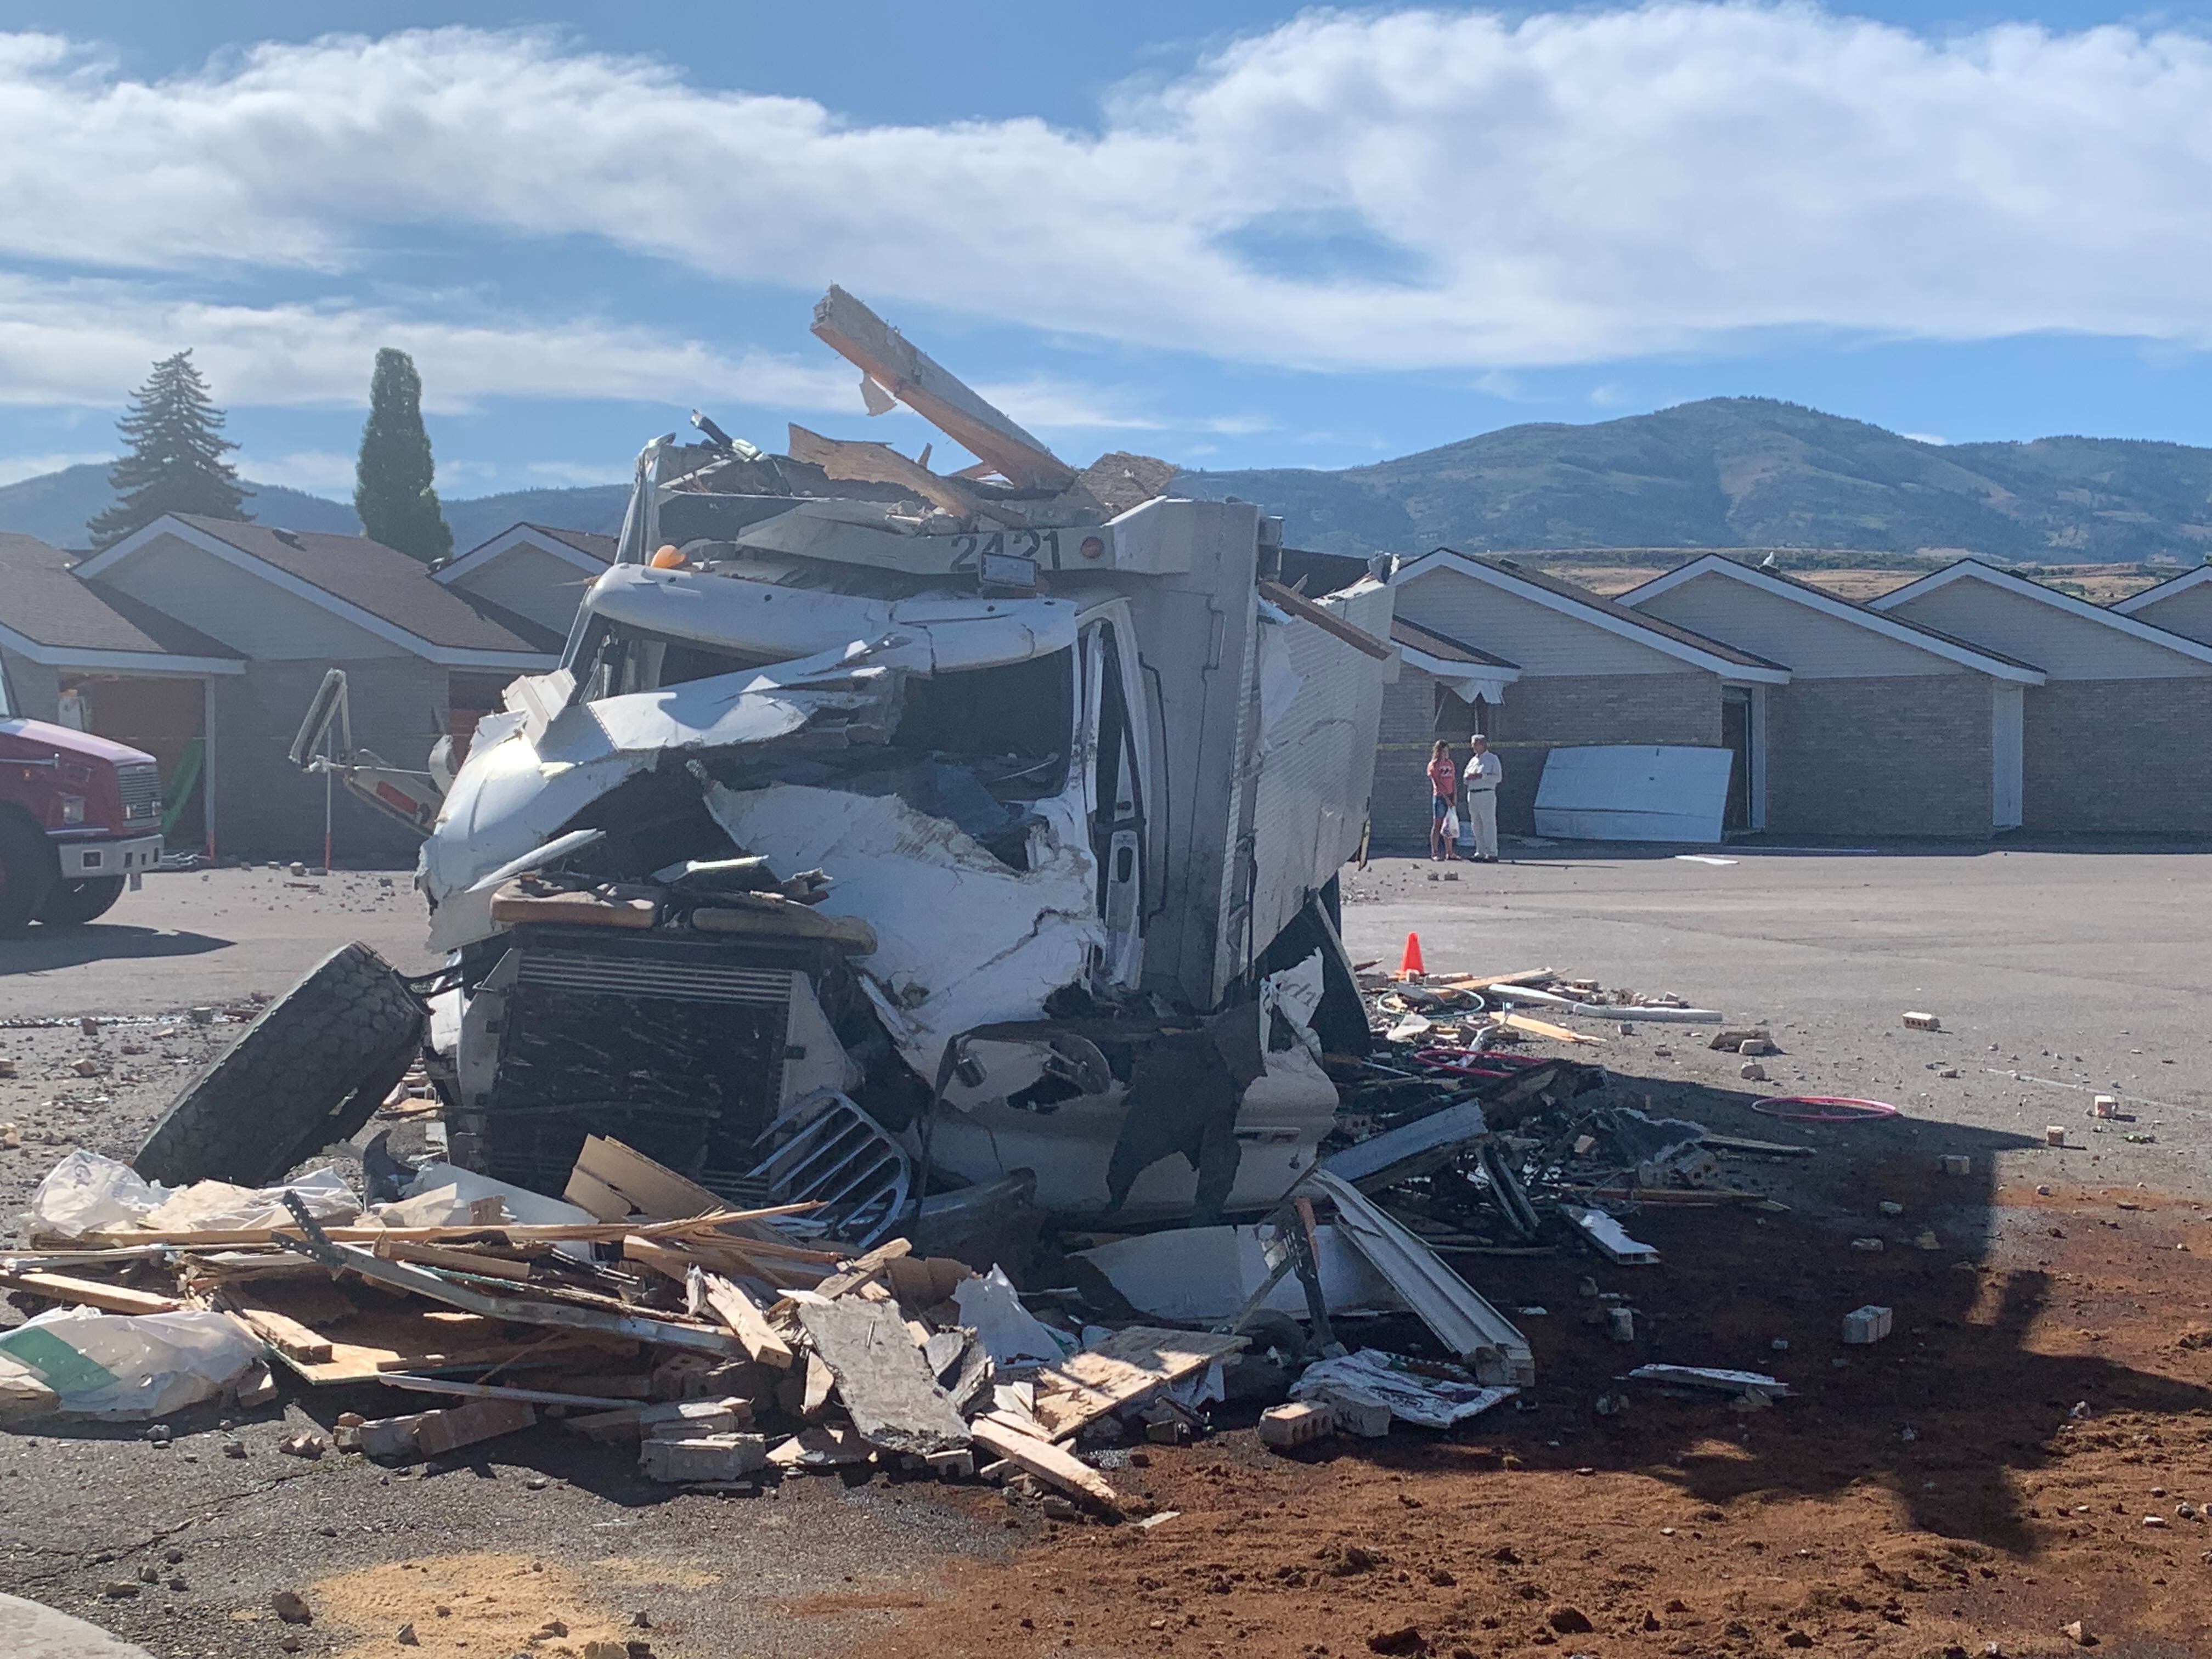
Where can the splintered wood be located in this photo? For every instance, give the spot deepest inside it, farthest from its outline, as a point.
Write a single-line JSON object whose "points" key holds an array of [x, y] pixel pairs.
{"points": [[1121, 1371]]}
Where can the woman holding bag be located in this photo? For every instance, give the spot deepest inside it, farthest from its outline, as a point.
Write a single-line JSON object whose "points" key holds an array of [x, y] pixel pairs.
{"points": [[1444, 810]]}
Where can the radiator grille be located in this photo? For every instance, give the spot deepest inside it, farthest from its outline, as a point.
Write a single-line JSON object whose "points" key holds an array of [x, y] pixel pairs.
{"points": [[140, 785], [667, 981]]}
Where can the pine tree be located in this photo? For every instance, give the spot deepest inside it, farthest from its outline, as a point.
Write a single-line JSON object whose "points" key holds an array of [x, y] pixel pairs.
{"points": [[175, 464], [392, 487]]}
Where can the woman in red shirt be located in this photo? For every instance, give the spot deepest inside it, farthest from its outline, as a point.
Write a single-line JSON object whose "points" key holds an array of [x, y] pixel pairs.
{"points": [[1443, 787]]}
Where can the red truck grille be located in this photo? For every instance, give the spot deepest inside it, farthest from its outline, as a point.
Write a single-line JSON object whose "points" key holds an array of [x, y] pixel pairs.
{"points": [[141, 789]]}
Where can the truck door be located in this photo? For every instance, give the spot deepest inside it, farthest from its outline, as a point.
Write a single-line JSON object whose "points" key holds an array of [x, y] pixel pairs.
{"points": [[1117, 813]]}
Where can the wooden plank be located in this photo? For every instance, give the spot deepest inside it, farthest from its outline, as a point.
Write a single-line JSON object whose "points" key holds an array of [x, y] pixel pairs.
{"points": [[1047, 1461], [1545, 1028], [746, 1319], [1483, 982], [1326, 620], [461, 1261], [91, 1293], [887, 357], [1120, 1372], [875, 463], [881, 1376], [863, 1270], [288, 1336]]}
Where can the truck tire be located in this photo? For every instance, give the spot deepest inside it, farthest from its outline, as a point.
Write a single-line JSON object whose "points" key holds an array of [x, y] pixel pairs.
{"points": [[73, 903], [309, 1071], [28, 871]]}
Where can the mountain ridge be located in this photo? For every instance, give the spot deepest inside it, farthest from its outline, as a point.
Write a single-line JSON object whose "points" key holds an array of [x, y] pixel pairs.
{"points": [[1720, 473]]}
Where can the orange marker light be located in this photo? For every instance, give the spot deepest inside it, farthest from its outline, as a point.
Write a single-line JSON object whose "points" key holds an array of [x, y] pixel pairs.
{"points": [[670, 558]]}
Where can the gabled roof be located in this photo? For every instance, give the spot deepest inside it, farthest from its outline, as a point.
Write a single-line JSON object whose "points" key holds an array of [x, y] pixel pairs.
{"points": [[375, 587], [1571, 600], [2005, 581], [1428, 642], [2165, 590], [1830, 605], [587, 552], [55, 618]]}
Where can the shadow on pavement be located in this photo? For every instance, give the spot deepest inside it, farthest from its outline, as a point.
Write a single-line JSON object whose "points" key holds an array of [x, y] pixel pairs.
{"points": [[44, 949]]}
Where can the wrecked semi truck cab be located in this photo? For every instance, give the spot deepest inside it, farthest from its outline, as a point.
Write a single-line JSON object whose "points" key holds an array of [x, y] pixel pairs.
{"points": [[865, 854], [846, 861]]}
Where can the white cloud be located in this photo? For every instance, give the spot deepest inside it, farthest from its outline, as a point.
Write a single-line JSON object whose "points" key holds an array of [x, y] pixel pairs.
{"points": [[1926, 438], [14, 468], [86, 340], [1564, 186]]}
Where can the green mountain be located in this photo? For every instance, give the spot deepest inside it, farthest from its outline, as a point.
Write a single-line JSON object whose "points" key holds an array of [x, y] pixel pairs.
{"points": [[54, 507], [1726, 472], [1750, 472]]}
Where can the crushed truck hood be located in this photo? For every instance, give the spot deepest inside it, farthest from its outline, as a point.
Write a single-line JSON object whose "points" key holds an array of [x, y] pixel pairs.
{"points": [[516, 790]]}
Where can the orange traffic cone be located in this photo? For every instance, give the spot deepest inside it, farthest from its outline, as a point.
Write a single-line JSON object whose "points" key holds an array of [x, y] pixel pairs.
{"points": [[1410, 965]]}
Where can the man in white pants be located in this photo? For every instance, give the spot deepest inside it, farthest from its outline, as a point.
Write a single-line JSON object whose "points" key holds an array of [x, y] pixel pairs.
{"points": [[1483, 773]]}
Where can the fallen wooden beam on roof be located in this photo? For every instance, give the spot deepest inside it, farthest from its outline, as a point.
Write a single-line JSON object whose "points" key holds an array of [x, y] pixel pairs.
{"points": [[1326, 620], [875, 463], [902, 369]]}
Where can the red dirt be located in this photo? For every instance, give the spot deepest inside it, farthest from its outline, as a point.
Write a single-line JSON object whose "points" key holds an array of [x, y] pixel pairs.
{"points": [[1682, 1527]]}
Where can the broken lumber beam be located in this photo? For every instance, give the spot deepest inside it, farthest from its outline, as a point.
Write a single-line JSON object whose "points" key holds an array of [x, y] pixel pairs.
{"points": [[1047, 1461], [1326, 620], [287, 1335], [745, 1318], [877, 463], [1545, 1028], [90, 1293], [863, 1270], [460, 1261], [896, 366], [523, 1309]]}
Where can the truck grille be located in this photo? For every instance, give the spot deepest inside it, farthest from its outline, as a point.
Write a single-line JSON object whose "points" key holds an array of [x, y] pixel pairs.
{"points": [[672, 981], [141, 788]]}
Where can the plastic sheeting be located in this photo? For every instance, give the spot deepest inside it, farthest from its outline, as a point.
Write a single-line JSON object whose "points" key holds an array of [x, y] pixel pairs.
{"points": [[1434, 1396], [124, 1366], [1010, 1333], [86, 1193]]}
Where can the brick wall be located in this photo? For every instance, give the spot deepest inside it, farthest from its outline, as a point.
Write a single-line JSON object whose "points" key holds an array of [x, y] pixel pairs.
{"points": [[1880, 757], [2119, 756], [265, 808], [1538, 714], [1398, 808]]}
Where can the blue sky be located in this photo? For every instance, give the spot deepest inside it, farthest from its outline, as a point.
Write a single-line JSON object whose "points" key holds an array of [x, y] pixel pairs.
{"points": [[1229, 233]]}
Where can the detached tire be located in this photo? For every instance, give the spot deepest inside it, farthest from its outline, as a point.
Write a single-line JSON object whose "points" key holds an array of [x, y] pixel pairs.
{"points": [[308, 1072], [73, 903], [28, 872]]}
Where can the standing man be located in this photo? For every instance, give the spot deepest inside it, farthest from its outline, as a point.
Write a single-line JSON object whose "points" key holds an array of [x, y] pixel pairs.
{"points": [[1483, 773]]}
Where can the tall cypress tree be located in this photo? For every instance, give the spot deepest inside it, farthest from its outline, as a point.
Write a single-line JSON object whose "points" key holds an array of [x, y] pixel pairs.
{"points": [[175, 464], [391, 489]]}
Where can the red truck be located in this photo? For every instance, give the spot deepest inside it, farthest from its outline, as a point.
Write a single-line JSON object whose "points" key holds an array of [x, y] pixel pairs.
{"points": [[80, 816]]}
